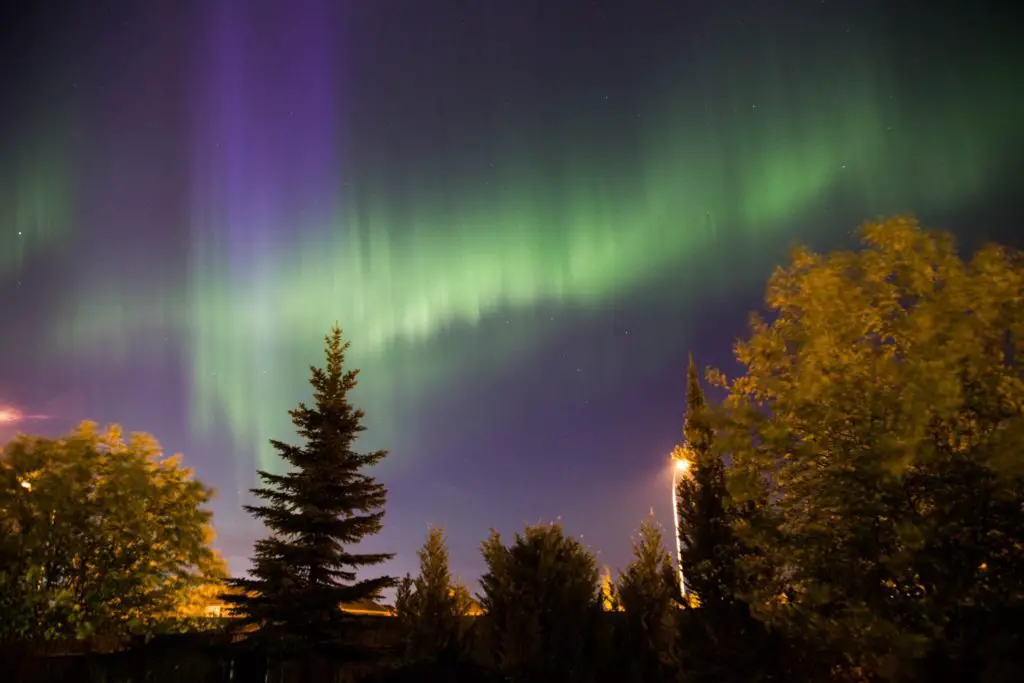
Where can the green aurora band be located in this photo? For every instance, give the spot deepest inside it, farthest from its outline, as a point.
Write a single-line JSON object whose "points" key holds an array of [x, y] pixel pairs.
{"points": [[35, 200], [714, 188]]}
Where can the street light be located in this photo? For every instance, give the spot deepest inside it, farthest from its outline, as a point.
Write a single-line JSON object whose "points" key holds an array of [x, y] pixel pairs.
{"points": [[680, 469]]}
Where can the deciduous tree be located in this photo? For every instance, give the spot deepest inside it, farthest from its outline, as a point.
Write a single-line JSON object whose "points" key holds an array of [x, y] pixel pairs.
{"points": [[99, 536], [882, 401]]}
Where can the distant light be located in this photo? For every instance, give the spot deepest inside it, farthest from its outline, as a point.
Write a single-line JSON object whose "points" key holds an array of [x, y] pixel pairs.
{"points": [[9, 415], [27, 485], [682, 465]]}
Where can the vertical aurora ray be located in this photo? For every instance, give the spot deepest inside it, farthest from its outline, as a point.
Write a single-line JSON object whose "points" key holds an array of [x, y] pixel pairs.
{"points": [[37, 158], [743, 150], [35, 197], [265, 165]]}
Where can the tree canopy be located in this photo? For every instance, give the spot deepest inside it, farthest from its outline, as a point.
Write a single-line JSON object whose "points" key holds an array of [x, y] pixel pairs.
{"points": [[99, 536], [880, 412]]}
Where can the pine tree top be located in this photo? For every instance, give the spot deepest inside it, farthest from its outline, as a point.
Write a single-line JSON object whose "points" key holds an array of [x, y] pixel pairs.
{"points": [[648, 549], [694, 392], [649, 582], [433, 557], [696, 426]]}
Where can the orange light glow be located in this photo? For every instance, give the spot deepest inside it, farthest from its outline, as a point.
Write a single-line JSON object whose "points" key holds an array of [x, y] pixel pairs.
{"points": [[9, 415]]}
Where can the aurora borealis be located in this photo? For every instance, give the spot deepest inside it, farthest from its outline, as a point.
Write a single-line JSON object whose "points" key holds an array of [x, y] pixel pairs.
{"points": [[524, 216]]}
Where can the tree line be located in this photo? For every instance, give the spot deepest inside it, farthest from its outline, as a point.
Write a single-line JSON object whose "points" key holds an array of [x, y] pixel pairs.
{"points": [[853, 511]]}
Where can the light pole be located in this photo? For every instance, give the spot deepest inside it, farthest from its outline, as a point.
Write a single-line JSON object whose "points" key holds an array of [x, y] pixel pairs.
{"points": [[681, 465]]}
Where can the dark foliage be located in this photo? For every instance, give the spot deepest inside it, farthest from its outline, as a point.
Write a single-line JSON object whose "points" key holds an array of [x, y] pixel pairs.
{"points": [[305, 569], [541, 599], [722, 641], [710, 550], [432, 607], [647, 592]]}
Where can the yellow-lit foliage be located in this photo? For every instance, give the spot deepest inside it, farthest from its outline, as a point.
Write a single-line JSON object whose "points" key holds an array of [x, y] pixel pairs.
{"points": [[880, 409], [108, 537]]}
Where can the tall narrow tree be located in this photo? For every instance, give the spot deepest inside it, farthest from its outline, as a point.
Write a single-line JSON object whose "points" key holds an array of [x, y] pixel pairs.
{"points": [[721, 640], [706, 537], [647, 592], [432, 607], [305, 569]]}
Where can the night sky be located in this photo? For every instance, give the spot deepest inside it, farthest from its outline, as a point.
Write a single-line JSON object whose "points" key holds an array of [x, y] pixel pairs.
{"points": [[524, 213]]}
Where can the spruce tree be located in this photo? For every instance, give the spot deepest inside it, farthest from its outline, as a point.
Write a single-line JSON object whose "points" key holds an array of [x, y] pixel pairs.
{"points": [[432, 606], [305, 569], [647, 592], [542, 607], [708, 543], [721, 640]]}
